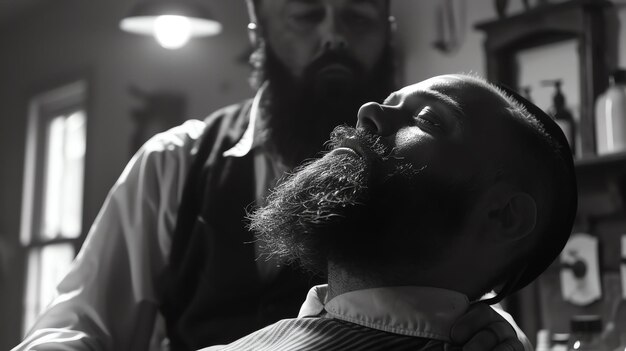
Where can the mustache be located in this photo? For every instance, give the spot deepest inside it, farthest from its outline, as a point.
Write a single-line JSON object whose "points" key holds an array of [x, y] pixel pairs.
{"points": [[378, 155], [335, 57], [372, 145]]}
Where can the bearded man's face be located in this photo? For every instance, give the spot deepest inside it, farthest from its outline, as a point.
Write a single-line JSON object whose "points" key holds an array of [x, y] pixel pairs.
{"points": [[396, 190], [323, 59], [364, 210]]}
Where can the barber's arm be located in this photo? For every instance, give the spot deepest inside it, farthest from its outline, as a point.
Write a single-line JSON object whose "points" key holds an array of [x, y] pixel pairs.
{"points": [[485, 327], [108, 300]]}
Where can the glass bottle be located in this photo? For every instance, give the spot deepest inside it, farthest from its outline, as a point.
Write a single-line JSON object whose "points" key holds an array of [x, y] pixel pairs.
{"points": [[610, 116], [561, 114], [614, 336]]}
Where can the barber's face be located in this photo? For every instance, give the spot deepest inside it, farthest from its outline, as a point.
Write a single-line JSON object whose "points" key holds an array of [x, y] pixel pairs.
{"points": [[301, 31]]}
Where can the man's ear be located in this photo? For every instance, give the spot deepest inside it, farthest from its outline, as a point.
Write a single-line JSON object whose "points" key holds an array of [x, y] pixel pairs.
{"points": [[510, 214], [253, 27], [253, 34], [393, 25]]}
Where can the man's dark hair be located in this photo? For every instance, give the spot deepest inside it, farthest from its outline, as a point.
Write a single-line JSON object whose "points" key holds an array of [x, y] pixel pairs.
{"points": [[539, 161]]}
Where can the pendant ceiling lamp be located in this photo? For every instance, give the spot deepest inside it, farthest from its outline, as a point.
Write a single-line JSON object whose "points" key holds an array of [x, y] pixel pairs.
{"points": [[171, 22]]}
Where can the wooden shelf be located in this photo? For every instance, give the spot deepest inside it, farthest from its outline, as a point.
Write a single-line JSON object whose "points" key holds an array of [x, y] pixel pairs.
{"points": [[598, 163], [545, 13], [601, 185]]}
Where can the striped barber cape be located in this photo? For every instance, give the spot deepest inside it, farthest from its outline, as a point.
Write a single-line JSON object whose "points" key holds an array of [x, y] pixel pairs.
{"points": [[328, 334], [389, 318]]}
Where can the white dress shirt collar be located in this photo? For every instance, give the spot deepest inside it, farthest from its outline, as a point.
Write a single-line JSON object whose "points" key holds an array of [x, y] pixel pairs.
{"points": [[246, 143], [407, 310]]}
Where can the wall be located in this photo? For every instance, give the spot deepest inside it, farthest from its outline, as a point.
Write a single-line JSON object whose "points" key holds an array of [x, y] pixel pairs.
{"points": [[416, 25]]}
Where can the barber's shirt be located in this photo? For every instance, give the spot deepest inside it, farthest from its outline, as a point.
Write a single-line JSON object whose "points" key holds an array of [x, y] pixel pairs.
{"points": [[109, 299]]}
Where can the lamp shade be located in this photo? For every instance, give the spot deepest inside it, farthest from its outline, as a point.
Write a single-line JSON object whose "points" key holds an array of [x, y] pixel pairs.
{"points": [[172, 19]]}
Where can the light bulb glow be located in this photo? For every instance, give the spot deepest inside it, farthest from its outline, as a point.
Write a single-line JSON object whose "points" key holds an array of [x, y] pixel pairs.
{"points": [[172, 32]]}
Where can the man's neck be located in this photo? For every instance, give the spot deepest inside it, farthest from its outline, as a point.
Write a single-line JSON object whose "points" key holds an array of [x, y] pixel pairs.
{"points": [[341, 280]]}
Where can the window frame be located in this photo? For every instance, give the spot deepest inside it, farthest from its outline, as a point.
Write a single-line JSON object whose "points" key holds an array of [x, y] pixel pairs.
{"points": [[43, 108]]}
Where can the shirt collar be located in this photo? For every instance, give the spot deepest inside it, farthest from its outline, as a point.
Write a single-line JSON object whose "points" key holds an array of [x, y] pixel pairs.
{"points": [[246, 143], [408, 310]]}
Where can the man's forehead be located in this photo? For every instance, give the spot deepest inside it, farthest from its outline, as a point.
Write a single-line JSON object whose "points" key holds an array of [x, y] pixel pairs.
{"points": [[434, 83], [457, 87]]}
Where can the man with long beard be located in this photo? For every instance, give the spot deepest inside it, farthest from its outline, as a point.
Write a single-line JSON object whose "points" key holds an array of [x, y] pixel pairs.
{"points": [[169, 244], [448, 190]]}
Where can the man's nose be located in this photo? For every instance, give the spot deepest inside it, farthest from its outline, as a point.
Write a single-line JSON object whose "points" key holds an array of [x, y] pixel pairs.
{"points": [[379, 119], [331, 34]]}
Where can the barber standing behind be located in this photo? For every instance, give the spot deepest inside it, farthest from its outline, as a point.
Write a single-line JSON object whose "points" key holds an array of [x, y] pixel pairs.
{"points": [[170, 239]]}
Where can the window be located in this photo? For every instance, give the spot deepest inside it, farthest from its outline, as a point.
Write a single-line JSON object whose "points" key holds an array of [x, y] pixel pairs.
{"points": [[53, 192]]}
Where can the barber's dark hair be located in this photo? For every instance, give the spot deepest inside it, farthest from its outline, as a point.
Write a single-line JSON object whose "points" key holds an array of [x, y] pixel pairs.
{"points": [[257, 1], [388, 61], [544, 167]]}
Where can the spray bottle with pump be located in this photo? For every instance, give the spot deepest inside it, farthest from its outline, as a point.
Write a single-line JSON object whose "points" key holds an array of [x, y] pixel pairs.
{"points": [[562, 116]]}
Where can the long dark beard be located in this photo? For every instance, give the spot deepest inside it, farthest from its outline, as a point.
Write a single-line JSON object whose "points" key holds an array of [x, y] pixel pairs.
{"points": [[311, 206], [360, 212], [302, 112]]}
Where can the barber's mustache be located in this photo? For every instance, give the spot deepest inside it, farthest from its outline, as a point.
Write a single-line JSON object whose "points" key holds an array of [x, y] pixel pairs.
{"points": [[335, 57]]}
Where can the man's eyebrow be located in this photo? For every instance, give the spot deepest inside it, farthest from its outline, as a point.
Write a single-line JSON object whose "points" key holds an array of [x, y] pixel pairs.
{"points": [[350, 2], [435, 96], [446, 100], [372, 2]]}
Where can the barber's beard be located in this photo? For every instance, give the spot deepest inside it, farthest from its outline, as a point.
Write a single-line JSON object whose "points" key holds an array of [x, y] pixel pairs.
{"points": [[302, 112], [358, 212]]}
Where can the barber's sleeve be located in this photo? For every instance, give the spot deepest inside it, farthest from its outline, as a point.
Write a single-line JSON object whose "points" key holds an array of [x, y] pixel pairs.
{"points": [[108, 300]]}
